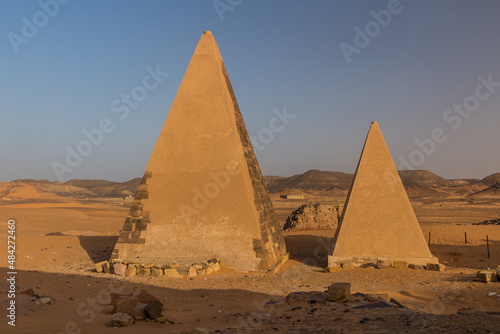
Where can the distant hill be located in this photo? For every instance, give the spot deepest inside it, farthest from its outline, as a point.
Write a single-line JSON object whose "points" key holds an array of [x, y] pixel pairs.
{"points": [[493, 190], [311, 180], [421, 178], [419, 181], [491, 180], [103, 188]]}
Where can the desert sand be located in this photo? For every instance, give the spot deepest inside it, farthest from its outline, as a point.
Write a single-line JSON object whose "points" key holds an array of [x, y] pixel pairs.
{"points": [[59, 240]]}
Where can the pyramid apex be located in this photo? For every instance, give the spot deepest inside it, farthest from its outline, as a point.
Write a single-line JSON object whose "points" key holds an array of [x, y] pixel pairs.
{"points": [[374, 123], [207, 32]]}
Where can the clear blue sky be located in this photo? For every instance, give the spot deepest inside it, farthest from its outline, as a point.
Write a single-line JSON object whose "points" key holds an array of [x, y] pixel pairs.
{"points": [[279, 54]]}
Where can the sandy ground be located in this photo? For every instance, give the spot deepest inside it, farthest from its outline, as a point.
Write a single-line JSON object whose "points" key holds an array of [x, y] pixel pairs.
{"points": [[58, 242]]}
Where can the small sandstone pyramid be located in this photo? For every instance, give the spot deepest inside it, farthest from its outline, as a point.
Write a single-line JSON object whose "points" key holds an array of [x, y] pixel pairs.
{"points": [[203, 195], [378, 221]]}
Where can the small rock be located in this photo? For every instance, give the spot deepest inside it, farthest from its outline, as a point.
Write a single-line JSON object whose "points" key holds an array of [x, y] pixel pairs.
{"points": [[434, 267], [331, 269], [339, 292], [153, 310], [45, 300], [124, 305], [215, 266], [28, 292], [121, 320], [486, 276], [347, 265], [155, 272], [365, 320], [416, 266], [131, 270], [119, 269], [117, 294], [99, 266], [492, 294], [192, 272], [161, 319], [143, 272], [398, 304], [139, 312]]}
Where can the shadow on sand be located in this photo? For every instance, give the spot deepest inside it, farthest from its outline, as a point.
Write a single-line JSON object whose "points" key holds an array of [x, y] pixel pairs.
{"points": [[99, 248]]}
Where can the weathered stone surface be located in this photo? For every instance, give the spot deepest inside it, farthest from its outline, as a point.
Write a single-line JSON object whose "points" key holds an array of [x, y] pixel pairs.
{"points": [[131, 270], [124, 305], [155, 272], [99, 266], [139, 312], [119, 269], [204, 128], [346, 265], [117, 294], [416, 266], [172, 273], [107, 267], [400, 264], [312, 217], [434, 267], [331, 269], [498, 272], [486, 276], [381, 264], [339, 292], [208, 271], [121, 320], [192, 272], [143, 271], [215, 266], [153, 310]]}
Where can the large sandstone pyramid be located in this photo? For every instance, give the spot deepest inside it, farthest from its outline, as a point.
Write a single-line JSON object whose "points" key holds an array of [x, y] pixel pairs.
{"points": [[378, 221], [203, 195]]}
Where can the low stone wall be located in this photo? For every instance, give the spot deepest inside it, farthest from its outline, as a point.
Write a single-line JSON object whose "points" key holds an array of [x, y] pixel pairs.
{"points": [[134, 268]]}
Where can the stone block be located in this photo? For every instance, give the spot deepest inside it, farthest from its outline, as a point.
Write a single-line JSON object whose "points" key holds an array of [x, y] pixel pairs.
{"points": [[172, 273], [416, 266], [143, 272], [339, 292], [487, 276], [121, 320], [99, 266], [139, 312], [124, 305], [434, 267], [131, 270], [333, 268], [153, 310], [192, 272], [119, 269], [155, 272], [208, 271], [400, 264], [347, 265]]}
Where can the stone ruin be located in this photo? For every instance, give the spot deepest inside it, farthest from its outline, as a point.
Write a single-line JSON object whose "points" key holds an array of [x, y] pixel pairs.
{"points": [[312, 217]]}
